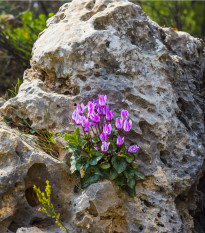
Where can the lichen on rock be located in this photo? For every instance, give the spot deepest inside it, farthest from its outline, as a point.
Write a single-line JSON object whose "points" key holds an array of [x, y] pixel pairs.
{"points": [[109, 47]]}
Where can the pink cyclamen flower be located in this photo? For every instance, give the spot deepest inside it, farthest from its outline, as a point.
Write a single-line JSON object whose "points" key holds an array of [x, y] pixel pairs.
{"points": [[127, 126], [90, 106], [118, 123], [79, 110], [124, 115], [100, 110], [96, 147], [105, 110], [120, 140], [109, 115], [96, 104], [85, 124], [90, 113], [105, 146], [102, 100], [95, 118], [83, 107], [103, 137], [74, 115], [107, 129], [78, 119], [133, 149]]}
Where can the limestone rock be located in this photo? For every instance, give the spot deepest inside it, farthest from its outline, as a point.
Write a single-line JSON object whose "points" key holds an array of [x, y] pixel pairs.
{"points": [[29, 230], [22, 166], [2, 101], [111, 47]]}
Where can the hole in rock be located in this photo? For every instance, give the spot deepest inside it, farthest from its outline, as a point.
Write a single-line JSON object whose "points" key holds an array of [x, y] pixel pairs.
{"points": [[97, 74], [88, 88], [90, 5], [159, 215], [79, 216], [31, 197], [81, 77], [36, 175], [96, 66], [92, 209], [13, 226], [147, 203], [108, 44], [164, 156], [38, 172], [41, 223]]}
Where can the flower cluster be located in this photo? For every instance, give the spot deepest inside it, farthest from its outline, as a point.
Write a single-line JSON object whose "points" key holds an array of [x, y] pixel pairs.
{"points": [[96, 118]]}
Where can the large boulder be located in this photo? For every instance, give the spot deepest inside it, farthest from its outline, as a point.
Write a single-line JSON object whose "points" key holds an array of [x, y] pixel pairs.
{"points": [[109, 47]]}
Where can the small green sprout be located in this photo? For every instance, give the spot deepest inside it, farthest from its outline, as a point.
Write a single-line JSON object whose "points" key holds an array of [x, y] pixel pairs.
{"points": [[15, 89], [45, 200]]}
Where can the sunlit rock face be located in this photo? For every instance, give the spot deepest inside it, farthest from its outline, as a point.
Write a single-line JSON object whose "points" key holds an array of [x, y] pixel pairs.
{"points": [[111, 47]]}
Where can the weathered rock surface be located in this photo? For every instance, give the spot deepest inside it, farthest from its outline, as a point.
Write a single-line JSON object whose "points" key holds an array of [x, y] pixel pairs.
{"points": [[2, 101], [110, 47]]}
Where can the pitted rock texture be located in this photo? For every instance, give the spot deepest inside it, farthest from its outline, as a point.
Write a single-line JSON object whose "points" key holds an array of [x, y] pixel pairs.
{"points": [[111, 47]]}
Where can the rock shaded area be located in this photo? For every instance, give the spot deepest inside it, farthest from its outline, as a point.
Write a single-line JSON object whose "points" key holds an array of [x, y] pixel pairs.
{"points": [[109, 47]]}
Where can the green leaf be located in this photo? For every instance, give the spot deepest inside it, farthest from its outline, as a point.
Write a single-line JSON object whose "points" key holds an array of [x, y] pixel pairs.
{"points": [[129, 173], [131, 183], [105, 165], [119, 163], [127, 156], [115, 132], [122, 148], [7, 120], [71, 148], [23, 123], [113, 174], [52, 139], [76, 154], [129, 160], [83, 143], [114, 146], [131, 191], [94, 160], [95, 139], [120, 180], [60, 134], [77, 135], [32, 131], [90, 180], [73, 167], [105, 173], [138, 174], [78, 176], [69, 137]]}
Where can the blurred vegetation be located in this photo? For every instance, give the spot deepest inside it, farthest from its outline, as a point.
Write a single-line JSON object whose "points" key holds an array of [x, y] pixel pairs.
{"points": [[22, 21], [20, 24], [188, 16]]}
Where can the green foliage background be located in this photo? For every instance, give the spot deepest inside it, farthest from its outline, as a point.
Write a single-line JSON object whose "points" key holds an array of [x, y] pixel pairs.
{"points": [[16, 44], [188, 16]]}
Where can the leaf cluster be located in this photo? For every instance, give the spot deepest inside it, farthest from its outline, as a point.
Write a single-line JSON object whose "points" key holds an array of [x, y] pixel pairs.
{"points": [[44, 140], [90, 165]]}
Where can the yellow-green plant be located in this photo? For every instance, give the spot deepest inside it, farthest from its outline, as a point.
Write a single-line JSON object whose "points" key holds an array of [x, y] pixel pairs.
{"points": [[45, 200], [14, 91]]}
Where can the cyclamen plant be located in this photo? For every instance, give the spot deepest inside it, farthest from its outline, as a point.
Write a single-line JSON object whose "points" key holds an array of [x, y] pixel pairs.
{"points": [[100, 152]]}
